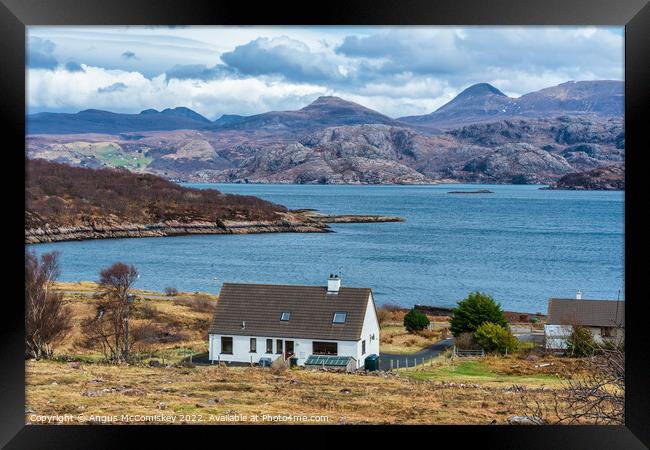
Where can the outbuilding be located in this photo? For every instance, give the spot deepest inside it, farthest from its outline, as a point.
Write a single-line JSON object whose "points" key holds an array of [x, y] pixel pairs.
{"points": [[605, 319]]}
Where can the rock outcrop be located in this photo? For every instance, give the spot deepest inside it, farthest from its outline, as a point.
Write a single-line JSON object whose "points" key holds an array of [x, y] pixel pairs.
{"points": [[299, 221], [606, 178]]}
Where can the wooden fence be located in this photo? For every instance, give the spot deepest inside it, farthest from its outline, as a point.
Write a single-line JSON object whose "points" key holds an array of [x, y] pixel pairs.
{"points": [[468, 353]]}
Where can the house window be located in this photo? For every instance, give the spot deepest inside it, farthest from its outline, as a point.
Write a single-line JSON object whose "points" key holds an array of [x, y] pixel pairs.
{"points": [[278, 346], [363, 347], [606, 331], [339, 317], [226, 345], [285, 316], [325, 348], [253, 345], [269, 346]]}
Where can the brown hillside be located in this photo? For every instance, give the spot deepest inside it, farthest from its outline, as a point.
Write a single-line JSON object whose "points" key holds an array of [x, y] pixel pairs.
{"points": [[63, 196]]}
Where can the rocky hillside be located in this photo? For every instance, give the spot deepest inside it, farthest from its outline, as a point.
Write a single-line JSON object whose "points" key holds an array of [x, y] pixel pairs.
{"points": [[480, 136], [520, 151], [605, 178]]}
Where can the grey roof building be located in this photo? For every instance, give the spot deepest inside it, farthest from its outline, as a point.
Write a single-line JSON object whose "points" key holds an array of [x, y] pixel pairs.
{"points": [[605, 320], [589, 313]]}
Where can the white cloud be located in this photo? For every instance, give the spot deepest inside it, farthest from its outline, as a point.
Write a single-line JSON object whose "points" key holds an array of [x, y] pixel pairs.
{"points": [[123, 91], [246, 70]]}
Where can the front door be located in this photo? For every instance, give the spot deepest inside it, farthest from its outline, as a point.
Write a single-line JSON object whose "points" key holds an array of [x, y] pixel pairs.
{"points": [[288, 349]]}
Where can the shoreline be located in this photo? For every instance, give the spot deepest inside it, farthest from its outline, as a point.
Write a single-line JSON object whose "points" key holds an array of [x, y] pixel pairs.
{"points": [[298, 221]]}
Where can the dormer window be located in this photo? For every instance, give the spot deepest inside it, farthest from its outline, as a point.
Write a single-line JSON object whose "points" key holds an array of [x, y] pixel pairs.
{"points": [[339, 317], [285, 316]]}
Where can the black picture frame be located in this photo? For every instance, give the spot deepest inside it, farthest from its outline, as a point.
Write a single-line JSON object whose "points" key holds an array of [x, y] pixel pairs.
{"points": [[15, 15]]}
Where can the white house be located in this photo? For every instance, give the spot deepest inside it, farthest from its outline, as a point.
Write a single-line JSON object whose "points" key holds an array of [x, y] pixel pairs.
{"points": [[254, 321], [605, 319]]}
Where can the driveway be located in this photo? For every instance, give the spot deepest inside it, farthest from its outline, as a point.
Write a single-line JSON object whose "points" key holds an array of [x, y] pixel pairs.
{"points": [[411, 359]]}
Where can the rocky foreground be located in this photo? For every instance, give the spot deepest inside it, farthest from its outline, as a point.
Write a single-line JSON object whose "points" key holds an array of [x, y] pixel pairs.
{"points": [[305, 221]]}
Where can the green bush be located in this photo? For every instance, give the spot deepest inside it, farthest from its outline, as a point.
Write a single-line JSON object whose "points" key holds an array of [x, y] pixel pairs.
{"points": [[415, 321], [580, 342], [476, 309], [495, 338]]}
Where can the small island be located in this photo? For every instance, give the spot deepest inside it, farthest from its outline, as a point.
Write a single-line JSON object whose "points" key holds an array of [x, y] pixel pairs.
{"points": [[478, 191]]}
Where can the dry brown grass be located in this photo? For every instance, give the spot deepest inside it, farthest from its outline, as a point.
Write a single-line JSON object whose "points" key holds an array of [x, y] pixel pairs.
{"points": [[539, 363], [180, 322], [395, 339], [205, 391]]}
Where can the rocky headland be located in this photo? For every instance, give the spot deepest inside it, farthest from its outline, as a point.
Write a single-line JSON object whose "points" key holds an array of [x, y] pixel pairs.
{"points": [[308, 221], [604, 179]]}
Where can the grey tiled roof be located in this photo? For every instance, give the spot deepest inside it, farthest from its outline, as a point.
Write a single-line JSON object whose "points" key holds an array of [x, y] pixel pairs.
{"points": [[312, 309], [595, 313]]}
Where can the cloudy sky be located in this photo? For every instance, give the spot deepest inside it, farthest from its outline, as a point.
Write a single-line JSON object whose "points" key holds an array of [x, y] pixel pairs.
{"points": [[248, 70]]}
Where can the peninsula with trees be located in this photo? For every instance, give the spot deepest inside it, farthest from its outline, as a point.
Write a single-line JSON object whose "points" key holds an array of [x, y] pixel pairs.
{"points": [[73, 203]]}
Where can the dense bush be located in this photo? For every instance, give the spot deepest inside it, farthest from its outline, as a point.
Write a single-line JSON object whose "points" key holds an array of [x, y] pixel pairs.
{"points": [[580, 342], [415, 321], [493, 337], [466, 341], [61, 195], [476, 309], [171, 291]]}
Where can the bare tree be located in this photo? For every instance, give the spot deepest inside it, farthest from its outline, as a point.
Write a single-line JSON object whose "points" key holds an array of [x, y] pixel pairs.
{"points": [[47, 320], [108, 329], [598, 398]]}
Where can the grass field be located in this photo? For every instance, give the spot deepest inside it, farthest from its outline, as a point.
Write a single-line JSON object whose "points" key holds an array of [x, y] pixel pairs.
{"points": [[478, 371], [108, 153], [447, 391], [92, 393]]}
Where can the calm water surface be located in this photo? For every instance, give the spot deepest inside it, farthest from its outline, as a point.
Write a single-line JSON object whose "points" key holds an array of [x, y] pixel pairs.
{"points": [[521, 244]]}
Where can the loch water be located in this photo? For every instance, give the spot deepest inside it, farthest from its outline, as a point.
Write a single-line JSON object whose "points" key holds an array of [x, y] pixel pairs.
{"points": [[521, 244]]}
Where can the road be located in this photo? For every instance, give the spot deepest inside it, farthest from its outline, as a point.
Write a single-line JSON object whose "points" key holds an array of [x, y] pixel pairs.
{"points": [[411, 359]]}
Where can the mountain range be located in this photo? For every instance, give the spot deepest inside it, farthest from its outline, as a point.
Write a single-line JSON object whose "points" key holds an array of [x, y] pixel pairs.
{"points": [[484, 102], [481, 135]]}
